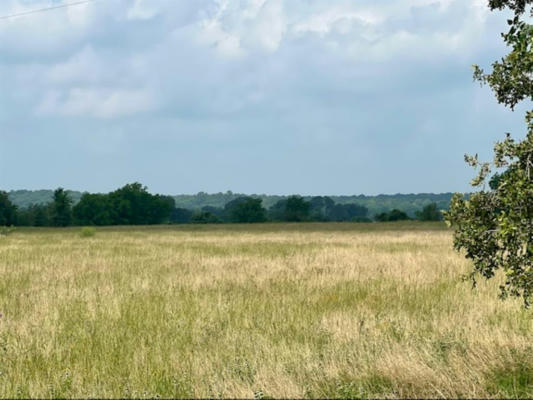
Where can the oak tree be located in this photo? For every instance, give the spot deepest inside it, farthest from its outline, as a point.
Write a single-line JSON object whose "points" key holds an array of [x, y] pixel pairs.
{"points": [[494, 226]]}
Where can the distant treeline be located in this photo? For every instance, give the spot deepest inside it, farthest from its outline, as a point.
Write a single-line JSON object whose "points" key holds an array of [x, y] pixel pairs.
{"points": [[409, 203], [134, 205]]}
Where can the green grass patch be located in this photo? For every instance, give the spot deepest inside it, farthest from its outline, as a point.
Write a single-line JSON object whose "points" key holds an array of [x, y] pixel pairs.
{"points": [[514, 380]]}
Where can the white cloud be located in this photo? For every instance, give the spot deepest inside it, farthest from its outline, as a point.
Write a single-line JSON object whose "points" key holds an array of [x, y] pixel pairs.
{"points": [[97, 103], [337, 17], [142, 10], [84, 66], [236, 28], [213, 35], [265, 25], [246, 75], [230, 54]]}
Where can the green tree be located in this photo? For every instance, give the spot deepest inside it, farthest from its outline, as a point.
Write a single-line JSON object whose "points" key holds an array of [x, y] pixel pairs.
{"points": [[8, 211], [161, 209], [346, 212], [181, 216], [494, 226], [133, 205], [277, 211], [61, 208], [392, 216], [218, 212], [429, 213], [34, 215], [245, 210], [320, 208], [40, 214], [94, 209], [382, 217], [296, 209]]}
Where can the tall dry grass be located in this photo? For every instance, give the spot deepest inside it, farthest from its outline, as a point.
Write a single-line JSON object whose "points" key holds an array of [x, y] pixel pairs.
{"points": [[319, 310]]}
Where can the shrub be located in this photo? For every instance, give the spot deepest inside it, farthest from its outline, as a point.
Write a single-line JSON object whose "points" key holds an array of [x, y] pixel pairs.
{"points": [[87, 231], [392, 216], [361, 219], [204, 217], [6, 230]]}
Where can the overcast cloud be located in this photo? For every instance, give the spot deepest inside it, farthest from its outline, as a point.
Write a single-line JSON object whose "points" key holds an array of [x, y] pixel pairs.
{"points": [[254, 96]]}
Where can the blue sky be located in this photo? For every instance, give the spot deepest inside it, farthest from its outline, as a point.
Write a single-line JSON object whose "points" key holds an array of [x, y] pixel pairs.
{"points": [[253, 96]]}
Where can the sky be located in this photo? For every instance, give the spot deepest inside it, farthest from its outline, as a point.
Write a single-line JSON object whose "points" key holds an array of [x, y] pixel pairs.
{"points": [[254, 96]]}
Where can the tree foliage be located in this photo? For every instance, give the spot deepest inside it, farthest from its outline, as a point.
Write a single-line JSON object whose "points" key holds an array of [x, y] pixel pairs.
{"points": [[180, 216], [392, 216], [94, 209], [245, 210], [494, 226], [61, 208], [511, 78], [132, 204], [410, 203], [429, 213], [129, 205], [292, 209], [35, 215], [8, 211]]}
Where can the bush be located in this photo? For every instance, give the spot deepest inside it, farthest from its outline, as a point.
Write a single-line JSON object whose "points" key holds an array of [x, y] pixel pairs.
{"points": [[392, 216], [87, 231], [361, 219], [204, 217], [6, 230]]}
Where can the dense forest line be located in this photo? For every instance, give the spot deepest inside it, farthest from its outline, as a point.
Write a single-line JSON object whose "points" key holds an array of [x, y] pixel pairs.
{"points": [[409, 203], [134, 205]]}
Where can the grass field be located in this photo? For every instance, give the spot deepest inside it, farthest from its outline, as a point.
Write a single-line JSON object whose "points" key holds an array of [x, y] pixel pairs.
{"points": [[314, 310]]}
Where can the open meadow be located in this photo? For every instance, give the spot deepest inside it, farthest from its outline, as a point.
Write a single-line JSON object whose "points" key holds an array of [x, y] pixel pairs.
{"points": [[267, 310]]}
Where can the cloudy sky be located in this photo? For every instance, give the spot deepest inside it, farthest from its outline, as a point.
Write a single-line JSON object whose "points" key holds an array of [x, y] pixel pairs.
{"points": [[253, 96]]}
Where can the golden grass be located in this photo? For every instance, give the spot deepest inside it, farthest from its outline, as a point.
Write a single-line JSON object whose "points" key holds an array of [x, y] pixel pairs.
{"points": [[315, 310]]}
